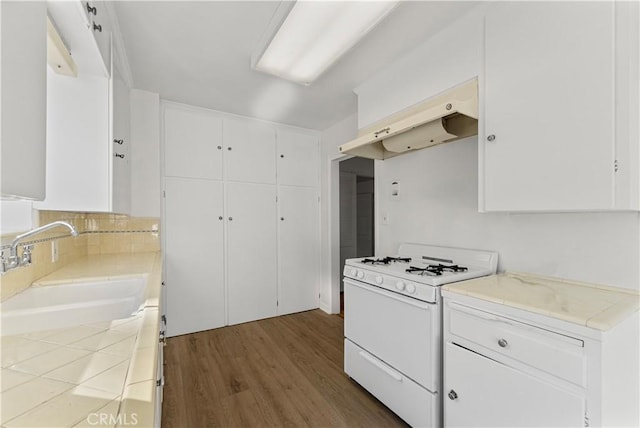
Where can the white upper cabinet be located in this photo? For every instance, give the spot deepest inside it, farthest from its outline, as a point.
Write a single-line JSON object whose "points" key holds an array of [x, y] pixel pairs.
{"points": [[249, 151], [297, 159], [23, 42], [98, 24], [193, 143], [121, 140], [550, 137], [88, 126]]}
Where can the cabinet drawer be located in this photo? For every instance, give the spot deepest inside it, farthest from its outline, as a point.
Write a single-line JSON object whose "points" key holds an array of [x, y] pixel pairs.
{"points": [[407, 399], [550, 352]]}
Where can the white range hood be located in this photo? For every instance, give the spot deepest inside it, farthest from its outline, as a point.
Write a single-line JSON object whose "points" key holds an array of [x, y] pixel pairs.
{"points": [[446, 117]]}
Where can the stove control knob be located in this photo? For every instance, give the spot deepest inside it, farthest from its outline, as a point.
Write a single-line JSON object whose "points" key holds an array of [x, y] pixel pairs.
{"points": [[354, 272], [400, 285], [379, 279], [411, 288], [360, 274]]}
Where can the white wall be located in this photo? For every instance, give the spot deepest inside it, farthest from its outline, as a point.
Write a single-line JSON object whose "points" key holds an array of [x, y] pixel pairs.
{"points": [[331, 138], [145, 154], [439, 185]]}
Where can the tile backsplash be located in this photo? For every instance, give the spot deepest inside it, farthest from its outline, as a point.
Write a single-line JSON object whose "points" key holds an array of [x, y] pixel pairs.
{"points": [[99, 234]]}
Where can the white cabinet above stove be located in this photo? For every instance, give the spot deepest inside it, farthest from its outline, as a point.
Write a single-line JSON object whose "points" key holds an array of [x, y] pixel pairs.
{"points": [[560, 95]]}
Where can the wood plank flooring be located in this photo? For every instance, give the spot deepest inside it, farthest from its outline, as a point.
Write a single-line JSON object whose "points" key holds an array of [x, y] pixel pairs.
{"points": [[279, 372]]}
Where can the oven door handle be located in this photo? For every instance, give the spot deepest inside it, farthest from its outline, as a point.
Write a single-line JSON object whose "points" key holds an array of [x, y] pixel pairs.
{"points": [[392, 373]]}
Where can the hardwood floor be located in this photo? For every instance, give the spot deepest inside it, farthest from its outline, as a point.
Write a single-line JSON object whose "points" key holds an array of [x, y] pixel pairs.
{"points": [[283, 371]]}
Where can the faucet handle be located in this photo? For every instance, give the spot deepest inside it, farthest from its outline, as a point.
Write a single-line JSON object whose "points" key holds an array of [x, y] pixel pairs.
{"points": [[26, 255]]}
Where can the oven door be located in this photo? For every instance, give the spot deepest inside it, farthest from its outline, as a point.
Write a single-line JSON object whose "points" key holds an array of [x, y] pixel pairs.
{"points": [[403, 332]]}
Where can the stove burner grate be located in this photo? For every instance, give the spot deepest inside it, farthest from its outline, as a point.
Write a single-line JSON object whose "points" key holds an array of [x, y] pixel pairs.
{"points": [[386, 260], [435, 270]]}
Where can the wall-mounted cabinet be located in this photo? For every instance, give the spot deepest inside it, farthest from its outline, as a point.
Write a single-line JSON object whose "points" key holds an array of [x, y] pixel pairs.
{"points": [[98, 25], [88, 125], [560, 101], [23, 42], [294, 148], [257, 250]]}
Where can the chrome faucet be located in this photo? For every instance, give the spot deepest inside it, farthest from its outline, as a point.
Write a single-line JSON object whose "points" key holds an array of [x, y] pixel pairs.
{"points": [[14, 261]]}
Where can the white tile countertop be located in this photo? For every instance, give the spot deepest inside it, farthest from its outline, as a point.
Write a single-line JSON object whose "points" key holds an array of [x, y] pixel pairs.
{"points": [[100, 374], [596, 306]]}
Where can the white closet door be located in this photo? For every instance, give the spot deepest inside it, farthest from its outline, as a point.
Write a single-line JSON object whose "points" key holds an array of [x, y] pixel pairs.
{"points": [[298, 249], [249, 151], [194, 255], [251, 251], [298, 159], [192, 143]]}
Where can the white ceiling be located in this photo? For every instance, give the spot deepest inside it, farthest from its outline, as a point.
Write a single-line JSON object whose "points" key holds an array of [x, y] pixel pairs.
{"points": [[199, 53]]}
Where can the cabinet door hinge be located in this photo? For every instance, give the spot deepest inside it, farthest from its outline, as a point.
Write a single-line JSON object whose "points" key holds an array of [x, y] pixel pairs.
{"points": [[277, 303], [164, 194], [616, 166]]}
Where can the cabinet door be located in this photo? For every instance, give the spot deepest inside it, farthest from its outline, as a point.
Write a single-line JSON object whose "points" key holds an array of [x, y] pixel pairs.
{"points": [[298, 249], [121, 144], [23, 48], [298, 159], [194, 255], [548, 140], [99, 26], [192, 143], [491, 394], [249, 151], [78, 147], [251, 251]]}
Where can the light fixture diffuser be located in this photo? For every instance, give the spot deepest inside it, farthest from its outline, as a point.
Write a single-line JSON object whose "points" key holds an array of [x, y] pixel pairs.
{"points": [[316, 33]]}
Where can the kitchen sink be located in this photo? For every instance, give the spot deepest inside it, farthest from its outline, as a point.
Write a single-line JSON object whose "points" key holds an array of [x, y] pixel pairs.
{"points": [[46, 307]]}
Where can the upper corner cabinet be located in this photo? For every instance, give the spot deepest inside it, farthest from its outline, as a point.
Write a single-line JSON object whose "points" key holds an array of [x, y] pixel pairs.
{"points": [[23, 49], [560, 98], [298, 159]]}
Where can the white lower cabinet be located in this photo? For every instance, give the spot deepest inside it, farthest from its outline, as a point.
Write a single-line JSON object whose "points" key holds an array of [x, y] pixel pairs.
{"points": [[508, 367], [484, 392]]}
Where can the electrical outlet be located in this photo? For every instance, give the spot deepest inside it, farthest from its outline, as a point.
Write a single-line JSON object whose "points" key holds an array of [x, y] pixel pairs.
{"points": [[54, 251]]}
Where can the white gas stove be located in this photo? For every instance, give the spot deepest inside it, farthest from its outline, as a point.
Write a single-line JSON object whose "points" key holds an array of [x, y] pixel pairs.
{"points": [[417, 269], [393, 324]]}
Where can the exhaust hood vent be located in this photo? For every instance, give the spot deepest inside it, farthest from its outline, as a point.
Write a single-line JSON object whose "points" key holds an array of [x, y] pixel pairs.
{"points": [[447, 117]]}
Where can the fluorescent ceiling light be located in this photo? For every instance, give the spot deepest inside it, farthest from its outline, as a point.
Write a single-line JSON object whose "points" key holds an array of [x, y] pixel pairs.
{"points": [[316, 33]]}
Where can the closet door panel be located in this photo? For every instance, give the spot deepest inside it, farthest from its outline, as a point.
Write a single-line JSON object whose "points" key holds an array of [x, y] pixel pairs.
{"points": [[251, 251]]}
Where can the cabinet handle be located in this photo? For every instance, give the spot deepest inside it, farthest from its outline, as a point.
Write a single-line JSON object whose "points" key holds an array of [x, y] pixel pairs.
{"points": [[452, 395], [282, 156], [230, 218], [229, 148], [281, 218], [219, 147], [491, 137], [121, 141], [118, 155], [97, 27], [377, 133], [92, 10], [220, 218], [502, 343]]}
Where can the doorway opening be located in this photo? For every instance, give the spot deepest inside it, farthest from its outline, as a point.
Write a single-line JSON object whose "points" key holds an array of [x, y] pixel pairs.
{"points": [[356, 213]]}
